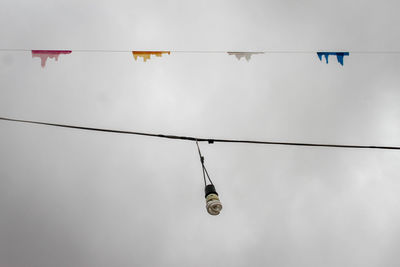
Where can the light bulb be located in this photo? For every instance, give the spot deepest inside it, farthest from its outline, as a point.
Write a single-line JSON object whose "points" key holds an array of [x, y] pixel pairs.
{"points": [[213, 204]]}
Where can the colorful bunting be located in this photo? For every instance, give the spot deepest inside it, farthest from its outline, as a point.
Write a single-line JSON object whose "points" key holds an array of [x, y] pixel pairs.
{"points": [[45, 54], [147, 54], [246, 55], [339, 56]]}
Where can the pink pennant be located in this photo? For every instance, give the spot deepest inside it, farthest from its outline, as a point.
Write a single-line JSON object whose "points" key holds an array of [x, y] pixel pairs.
{"points": [[45, 54]]}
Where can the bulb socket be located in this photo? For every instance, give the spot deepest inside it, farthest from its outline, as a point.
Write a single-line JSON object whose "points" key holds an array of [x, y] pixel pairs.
{"points": [[210, 189]]}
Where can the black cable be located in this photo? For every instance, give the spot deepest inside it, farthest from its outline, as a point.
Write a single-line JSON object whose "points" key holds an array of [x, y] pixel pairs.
{"points": [[203, 166], [208, 176], [209, 140], [204, 175], [202, 163]]}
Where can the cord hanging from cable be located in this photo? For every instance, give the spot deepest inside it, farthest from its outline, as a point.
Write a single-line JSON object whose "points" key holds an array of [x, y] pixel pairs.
{"points": [[205, 172]]}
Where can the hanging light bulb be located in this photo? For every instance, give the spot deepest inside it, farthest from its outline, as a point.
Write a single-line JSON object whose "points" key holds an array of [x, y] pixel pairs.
{"points": [[213, 204]]}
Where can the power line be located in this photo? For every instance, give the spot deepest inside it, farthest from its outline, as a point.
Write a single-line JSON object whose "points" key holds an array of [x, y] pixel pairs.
{"points": [[270, 51], [198, 139]]}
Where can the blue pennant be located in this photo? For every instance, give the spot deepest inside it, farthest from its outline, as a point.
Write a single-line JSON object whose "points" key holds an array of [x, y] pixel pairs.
{"points": [[339, 56]]}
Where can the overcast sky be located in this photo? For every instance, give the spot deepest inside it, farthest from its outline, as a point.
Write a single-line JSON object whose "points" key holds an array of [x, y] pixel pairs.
{"points": [[85, 199]]}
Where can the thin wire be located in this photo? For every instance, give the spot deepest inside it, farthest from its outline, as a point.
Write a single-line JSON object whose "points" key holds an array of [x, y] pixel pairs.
{"points": [[208, 176], [202, 163], [198, 139], [211, 51], [203, 166], [204, 175]]}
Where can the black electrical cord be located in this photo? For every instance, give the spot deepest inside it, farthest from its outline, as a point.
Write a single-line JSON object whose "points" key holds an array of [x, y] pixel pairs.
{"points": [[205, 172], [209, 140]]}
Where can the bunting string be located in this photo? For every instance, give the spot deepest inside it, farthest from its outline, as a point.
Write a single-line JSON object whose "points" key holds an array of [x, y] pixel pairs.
{"points": [[272, 51], [146, 55], [198, 139]]}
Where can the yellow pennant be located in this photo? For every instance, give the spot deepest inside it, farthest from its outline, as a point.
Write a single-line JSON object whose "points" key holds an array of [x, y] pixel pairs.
{"points": [[147, 54]]}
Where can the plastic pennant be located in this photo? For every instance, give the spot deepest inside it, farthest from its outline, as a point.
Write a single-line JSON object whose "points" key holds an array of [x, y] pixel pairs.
{"points": [[339, 56], [147, 54], [45, 54], [246, 55]]}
